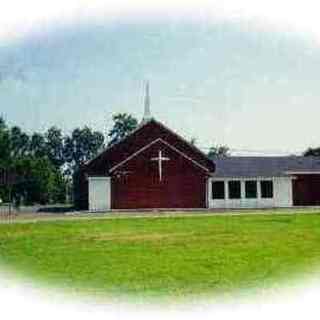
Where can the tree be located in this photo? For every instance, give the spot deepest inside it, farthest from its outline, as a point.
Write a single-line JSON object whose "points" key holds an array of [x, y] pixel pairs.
{"points": [[54, 146], [4, 143], [37, 145], [219, 151], [42, 164], [4, 157], [314, 152], [57, 187], [34, 177], [83, 145], [3, 124], [19, 142], [123, 124], [38, 181]]}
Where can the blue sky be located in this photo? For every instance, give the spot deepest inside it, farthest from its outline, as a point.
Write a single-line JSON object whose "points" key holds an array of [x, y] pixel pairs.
{"points": [[220, 82]]}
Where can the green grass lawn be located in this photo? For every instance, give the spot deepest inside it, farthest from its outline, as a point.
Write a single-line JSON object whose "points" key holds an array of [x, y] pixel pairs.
{"points": [[164, 256]]}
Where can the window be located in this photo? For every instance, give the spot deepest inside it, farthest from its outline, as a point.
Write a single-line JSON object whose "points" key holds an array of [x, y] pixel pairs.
{"points": [[251, 189], [218, 190], [266, 189], [234, 190]]}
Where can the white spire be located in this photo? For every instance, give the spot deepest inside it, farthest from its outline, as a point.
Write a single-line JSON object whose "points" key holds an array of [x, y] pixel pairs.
{"points": [[147, 114]]}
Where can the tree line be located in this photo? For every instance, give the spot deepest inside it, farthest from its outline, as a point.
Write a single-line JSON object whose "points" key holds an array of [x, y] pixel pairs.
{"points": [[39, 167]]}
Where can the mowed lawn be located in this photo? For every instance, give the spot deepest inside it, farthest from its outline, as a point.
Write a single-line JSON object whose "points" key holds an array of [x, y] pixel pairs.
{"points": [[164, 256]]}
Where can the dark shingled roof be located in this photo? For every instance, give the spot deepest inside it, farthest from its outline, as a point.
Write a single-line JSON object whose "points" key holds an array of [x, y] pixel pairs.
{"points": [[264, 166]]}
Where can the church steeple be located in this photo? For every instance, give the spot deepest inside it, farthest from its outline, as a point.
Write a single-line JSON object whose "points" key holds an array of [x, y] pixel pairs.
{"points": [[147, 113]]}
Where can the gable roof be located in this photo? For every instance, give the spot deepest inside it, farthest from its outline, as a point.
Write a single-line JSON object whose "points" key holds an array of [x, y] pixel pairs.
{"points": [[265, 166], [140, 137], [149, 145]]}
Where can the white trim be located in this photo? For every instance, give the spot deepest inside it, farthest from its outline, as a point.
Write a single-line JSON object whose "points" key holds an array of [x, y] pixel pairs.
{"points": [[133, 155], [302, 172], [184, 140], [282, 193], [149, 145], [251, 178], [207, 192], [97, 177], [140, 126], [226, 190]]}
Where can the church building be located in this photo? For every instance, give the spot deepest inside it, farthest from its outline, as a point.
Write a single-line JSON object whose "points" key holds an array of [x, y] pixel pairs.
{"points": [[154, 167]]}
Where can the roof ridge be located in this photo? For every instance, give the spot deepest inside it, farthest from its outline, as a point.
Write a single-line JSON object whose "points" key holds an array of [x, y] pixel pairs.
{"points": [[140, 126]]}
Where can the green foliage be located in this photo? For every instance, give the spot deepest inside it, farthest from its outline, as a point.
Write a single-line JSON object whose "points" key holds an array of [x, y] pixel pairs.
{"points": [[218, 151], [54, 146], [57, 187], [166, 256], [37, 145], [3, 124], [19, 143], [36, 180], [4, 144], [4, 150], [33, 163], [123, 124], [83, 145], [46, 162]]}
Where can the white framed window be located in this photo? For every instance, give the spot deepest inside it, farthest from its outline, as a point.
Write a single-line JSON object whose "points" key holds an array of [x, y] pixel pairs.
{"points": [[234, 187], [251, 190], [266, 189], [218, 190]]}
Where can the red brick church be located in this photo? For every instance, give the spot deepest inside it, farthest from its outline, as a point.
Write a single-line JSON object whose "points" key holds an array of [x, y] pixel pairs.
{"points": [[154, 167]]}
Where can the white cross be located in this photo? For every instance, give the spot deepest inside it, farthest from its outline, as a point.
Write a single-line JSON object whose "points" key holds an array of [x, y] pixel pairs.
{"points": [[160, 158]]}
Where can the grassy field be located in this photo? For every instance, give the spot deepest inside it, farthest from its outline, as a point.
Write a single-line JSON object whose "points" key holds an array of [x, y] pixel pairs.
{"points": [[164, 256]]}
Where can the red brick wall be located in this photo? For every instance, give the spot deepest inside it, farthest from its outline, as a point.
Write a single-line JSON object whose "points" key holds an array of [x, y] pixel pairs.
{"points": [[136, 184], [183, 186]]}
